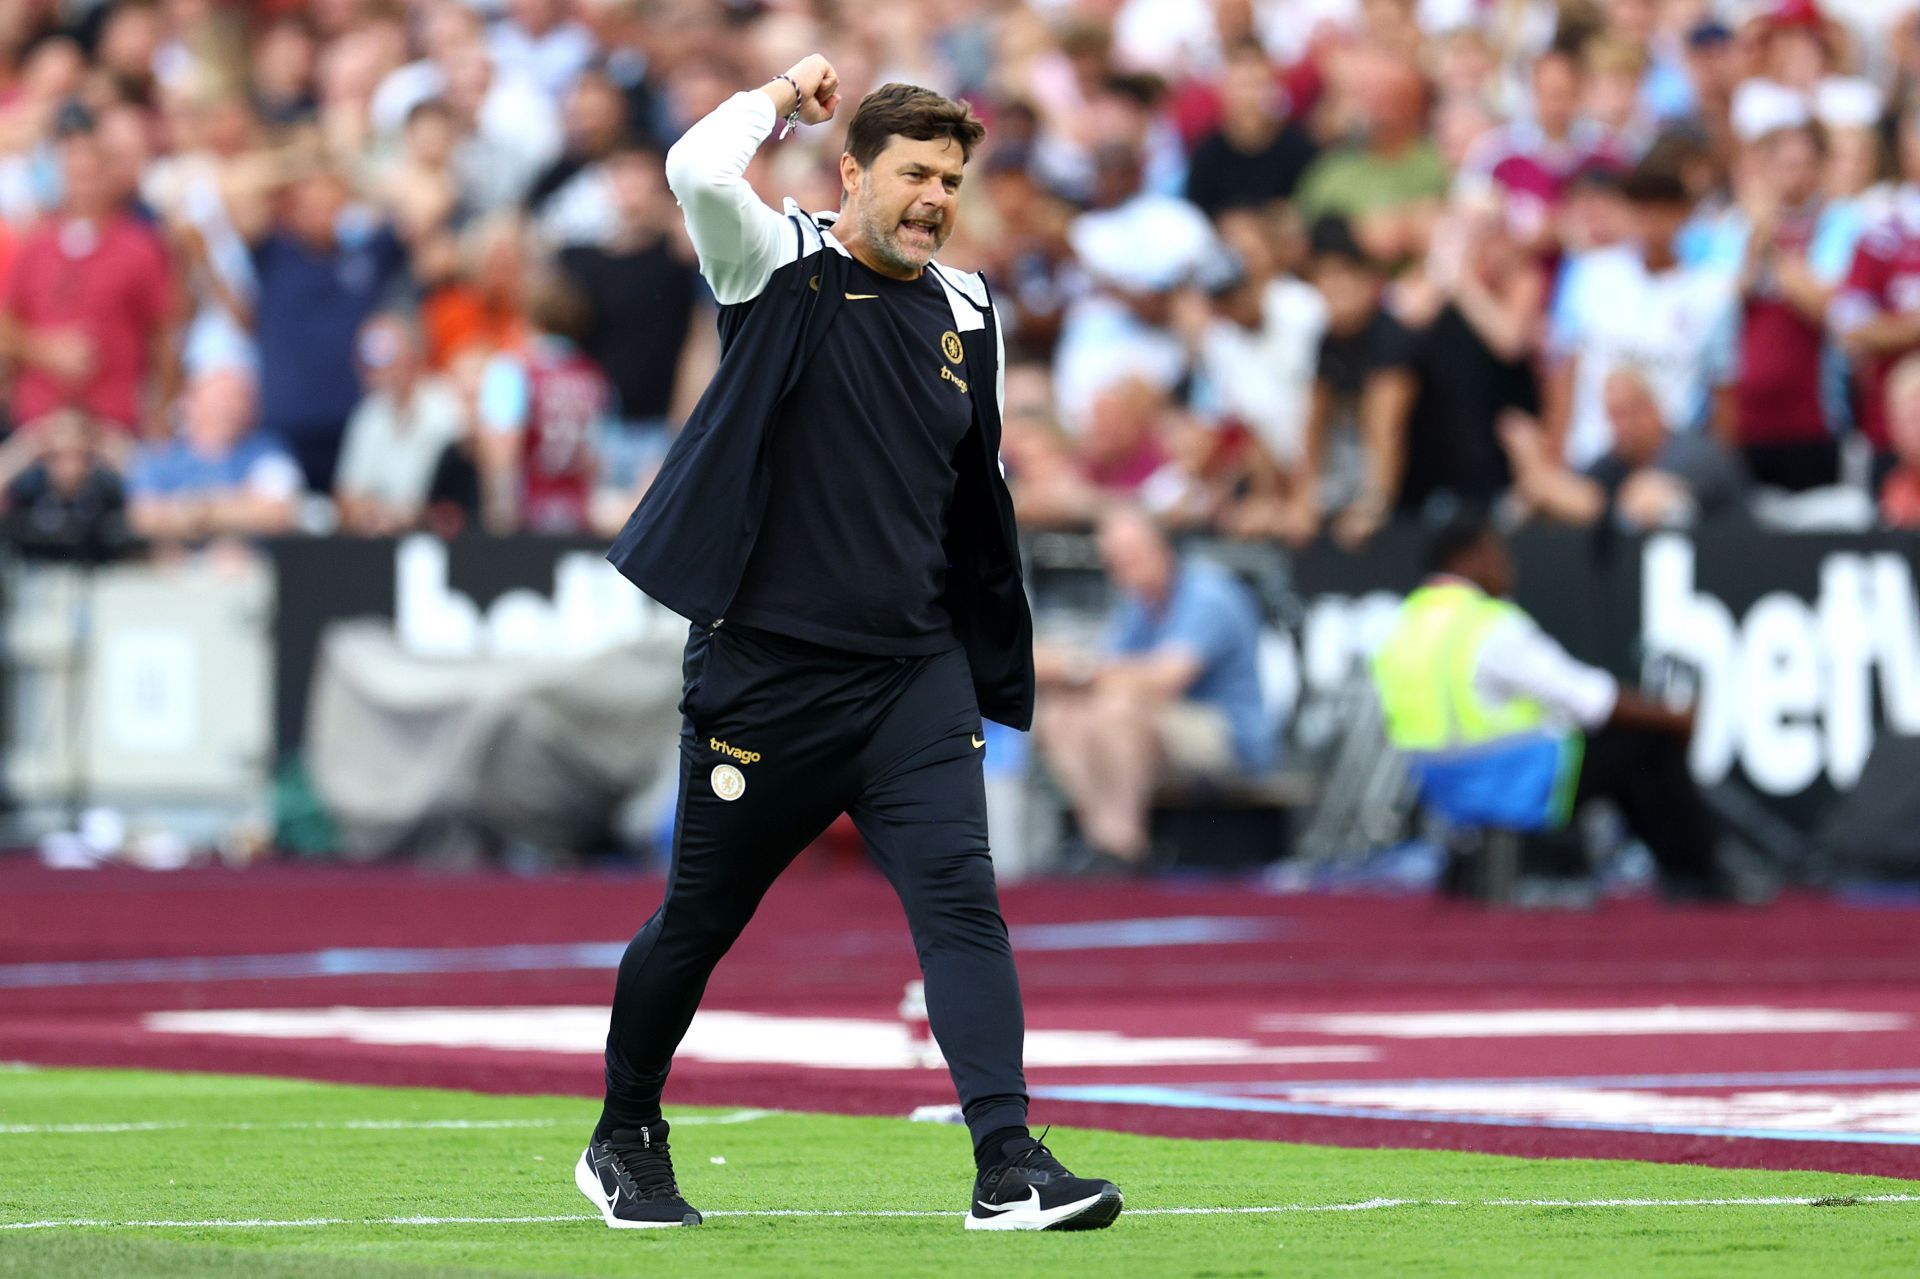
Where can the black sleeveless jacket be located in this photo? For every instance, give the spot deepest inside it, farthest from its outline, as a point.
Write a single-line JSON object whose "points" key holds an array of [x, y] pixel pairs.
{"points": [[686, 544]]}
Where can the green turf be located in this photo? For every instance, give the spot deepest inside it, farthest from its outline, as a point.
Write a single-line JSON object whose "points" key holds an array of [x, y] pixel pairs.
{"points": [[214, 1168]]}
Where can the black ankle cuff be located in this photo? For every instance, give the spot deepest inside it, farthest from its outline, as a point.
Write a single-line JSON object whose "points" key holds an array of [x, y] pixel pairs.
{"points": [[992, 1147]]}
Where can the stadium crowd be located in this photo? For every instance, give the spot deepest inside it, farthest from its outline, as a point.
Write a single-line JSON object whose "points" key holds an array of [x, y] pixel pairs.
{"points": [[1271, 268]]}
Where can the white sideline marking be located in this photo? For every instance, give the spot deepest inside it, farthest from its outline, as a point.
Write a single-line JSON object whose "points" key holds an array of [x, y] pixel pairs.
{"points": [[356, 1125], [735, 1038], [1361, 1205]]}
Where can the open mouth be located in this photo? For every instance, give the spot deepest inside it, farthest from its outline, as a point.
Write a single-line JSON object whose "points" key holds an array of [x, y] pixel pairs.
{"points": [[919, 231]]}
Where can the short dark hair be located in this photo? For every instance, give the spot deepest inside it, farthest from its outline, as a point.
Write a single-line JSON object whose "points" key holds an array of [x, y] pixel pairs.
{"points": [[908, 111], [1331, 236], [1456, 539], [1656, 183]]}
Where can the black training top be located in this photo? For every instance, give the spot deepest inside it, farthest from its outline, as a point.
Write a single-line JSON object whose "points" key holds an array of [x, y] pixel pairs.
{"points": [[850, 551]]}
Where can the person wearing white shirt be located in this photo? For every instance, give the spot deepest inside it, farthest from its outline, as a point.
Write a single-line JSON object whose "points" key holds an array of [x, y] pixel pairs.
{"points": [[1635, 306]]}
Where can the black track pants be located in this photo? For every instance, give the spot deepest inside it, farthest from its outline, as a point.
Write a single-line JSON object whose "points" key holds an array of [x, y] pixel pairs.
{"points": [[778, 738]]}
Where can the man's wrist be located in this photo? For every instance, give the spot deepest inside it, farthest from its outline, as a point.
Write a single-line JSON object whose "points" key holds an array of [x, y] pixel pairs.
{"points": [[785, 92]]}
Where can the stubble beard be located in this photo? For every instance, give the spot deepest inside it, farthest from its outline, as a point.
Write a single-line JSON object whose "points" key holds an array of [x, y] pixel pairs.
{"points": [[882, 235]]}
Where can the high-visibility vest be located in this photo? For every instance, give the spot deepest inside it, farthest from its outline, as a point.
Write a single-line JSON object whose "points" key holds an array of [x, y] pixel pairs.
{"points": [[1424, 673], [1477, 763]]}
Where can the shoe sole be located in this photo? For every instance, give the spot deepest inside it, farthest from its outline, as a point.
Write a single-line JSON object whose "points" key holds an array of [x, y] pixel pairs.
{"points": [[1094, 1213], [587, 1181]]}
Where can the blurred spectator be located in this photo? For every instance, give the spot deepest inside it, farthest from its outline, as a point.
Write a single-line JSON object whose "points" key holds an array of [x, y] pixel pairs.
{"points": [[1026, 255], [1877, 314], [571, 202], [324, 265], [540, 413], [284, 60], [1527, 165], [1900, 495], [1650, 478], [510, 132], [1388, 186], [483, 304], [221, 477], [1174, 692], [1049, 487], [1364, 389], [642, 291], [1134, 248], [536, 40], [91, 315], [1478, 309], [397, 435], [420, 187], [1783, 406], [1638, 306], [1258, 154], [64, 498], [1254, 338]]}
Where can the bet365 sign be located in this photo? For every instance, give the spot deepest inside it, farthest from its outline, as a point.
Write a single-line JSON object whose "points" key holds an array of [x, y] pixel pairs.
{"points": [[1793, 686]]}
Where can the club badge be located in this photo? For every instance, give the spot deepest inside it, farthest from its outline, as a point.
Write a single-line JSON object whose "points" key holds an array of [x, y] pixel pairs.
{"points": [[728, 782]]}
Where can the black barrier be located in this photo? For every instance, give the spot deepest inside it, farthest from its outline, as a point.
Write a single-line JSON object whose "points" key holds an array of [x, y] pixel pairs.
{"points": [[1805, 646]]}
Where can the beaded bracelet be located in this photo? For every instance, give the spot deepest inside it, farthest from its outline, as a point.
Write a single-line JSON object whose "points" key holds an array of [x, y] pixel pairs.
{"points": [[793, 116]]}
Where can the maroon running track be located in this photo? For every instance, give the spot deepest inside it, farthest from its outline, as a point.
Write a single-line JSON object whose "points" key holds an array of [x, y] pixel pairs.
{"points": [[88, 958]]}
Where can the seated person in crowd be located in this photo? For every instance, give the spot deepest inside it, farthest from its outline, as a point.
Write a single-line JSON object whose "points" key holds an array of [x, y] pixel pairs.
{"points": [[1650, 478], [1900, 494], [397, 433], [1504, 729], [1174, 691], [64, 499], [221, 476], [540, 414]]}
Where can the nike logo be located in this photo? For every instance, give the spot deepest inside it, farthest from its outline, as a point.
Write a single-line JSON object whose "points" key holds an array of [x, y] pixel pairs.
{"points": [[1031, 1201], [978, 741], [861, 297]]}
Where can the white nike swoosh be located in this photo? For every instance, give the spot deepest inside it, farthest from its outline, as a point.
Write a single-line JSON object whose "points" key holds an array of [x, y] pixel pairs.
{"points": [[861, 297], [1031, 1201]]}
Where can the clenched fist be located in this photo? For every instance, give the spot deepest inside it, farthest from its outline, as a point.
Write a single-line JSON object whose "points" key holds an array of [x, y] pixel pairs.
{"points": [[819, 89]]}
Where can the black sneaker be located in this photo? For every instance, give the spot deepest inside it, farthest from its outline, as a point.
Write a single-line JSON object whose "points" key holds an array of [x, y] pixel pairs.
{"points": [[629, 1178], [1030, 1190]]}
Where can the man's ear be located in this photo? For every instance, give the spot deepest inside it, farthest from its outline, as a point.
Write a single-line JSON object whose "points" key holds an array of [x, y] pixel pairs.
{"points": [[850, 176]]}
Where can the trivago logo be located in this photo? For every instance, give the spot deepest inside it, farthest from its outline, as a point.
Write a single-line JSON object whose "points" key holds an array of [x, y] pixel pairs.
{"points": [[1788, 689]]}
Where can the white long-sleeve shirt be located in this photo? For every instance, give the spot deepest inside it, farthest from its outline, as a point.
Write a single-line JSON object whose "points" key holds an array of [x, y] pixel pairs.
{"points": [[741, 240]]}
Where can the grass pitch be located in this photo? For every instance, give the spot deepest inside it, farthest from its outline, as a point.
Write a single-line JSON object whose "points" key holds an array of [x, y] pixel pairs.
{"points": [[144, 1174]]}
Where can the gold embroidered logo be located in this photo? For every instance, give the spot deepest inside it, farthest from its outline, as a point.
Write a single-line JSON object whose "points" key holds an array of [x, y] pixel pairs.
{"points": [[951, 348], [977, 741], [745, 757], [947, 373], [728, 783], [861, 297], [814, 284]]}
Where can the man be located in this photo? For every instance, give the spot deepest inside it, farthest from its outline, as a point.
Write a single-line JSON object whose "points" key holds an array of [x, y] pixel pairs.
{"points": [[1258, 154], [1635, 305], [1780, 403], [1365, 386], [1876, 315], [397, 434], [1650, 478], [220, 478], [642, 291], [91, 312], [1504, 729], [323, 267], [540, 412], [1389, 186], [1175, 693], [834, 523]]}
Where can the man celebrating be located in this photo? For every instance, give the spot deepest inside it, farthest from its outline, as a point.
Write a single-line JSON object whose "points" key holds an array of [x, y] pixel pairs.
{"points": [[834, 524]]}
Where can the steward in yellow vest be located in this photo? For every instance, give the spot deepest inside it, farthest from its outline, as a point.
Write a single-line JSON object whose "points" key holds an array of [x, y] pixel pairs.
{"points": [[1503, 728]]}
